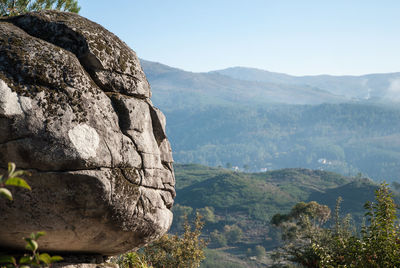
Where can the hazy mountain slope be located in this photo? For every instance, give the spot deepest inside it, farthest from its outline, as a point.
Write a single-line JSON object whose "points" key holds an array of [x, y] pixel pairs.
{"points": [[376, 86], [347, 138], [174, 88], [214, 119], [254, 74]]}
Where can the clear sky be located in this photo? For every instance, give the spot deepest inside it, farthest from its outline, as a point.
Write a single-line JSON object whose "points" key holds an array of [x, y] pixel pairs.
{"points": [[300, 37]]}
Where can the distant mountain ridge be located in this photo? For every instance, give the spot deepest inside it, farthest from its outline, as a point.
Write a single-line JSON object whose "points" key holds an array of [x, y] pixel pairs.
{"points": [[384, 86], [176, 88], [255, 86], [215, 119]]}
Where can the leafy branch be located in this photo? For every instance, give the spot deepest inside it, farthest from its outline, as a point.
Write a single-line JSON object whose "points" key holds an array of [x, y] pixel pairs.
{"points": [[13, 179]]}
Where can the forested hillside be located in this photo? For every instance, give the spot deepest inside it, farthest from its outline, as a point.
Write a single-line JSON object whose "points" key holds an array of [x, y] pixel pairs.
{"points": [[238, 207], [219, 120], [346, 138], [260, 195]]}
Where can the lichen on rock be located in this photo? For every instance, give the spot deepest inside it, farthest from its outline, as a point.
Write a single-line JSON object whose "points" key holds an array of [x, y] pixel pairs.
{"points": [[75, 111]]}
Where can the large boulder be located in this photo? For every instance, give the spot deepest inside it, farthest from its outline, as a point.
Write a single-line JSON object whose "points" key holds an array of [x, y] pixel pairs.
{"points": [[75, 111]]}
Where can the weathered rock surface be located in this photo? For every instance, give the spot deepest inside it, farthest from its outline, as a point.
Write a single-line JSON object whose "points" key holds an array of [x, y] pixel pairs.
{"points": [[75, 112]]}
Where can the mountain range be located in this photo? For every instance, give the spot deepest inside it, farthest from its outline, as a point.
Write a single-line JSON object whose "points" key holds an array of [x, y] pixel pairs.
{"points": [[257, 120], [174, 88], [181, 89], [384, 87]]}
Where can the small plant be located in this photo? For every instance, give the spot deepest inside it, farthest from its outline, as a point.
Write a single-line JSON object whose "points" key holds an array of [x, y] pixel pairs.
{"points": [[132, 260], [12, 179], [34, 259]]}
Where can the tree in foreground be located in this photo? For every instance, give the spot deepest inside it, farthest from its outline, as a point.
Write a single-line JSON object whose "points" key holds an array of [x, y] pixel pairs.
{"points": [[17, 7], [299, 227], [378, 245]]}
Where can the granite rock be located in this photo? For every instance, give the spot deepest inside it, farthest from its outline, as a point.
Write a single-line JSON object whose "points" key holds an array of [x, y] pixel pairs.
{"points": [[75, 111]]}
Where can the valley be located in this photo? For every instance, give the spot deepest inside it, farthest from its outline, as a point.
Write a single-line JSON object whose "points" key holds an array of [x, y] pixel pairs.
{"points": [[217, 120]]}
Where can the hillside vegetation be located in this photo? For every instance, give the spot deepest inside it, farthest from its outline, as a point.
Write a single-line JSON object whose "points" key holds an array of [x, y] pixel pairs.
{"points": [[256, 120], [345, 138], [238, 206], [258, 195]]}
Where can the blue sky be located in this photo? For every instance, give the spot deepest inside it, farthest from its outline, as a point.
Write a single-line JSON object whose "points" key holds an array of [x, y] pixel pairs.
{"points": [[299, 37]]}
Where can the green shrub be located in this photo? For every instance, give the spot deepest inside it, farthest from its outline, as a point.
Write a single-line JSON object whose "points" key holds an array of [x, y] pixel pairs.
{"points": [[260, 252], [208, 214], [233, 233], [132, 260], [378, 245], [171, 251], [219, 239]]}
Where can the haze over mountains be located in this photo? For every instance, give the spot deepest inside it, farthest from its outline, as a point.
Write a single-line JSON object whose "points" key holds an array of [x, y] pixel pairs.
{"points": [[254, 86], [385, 87], [262, 120], [175, 88]]}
